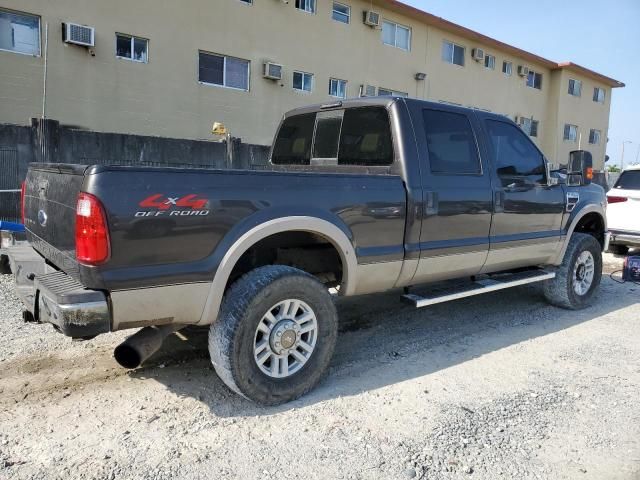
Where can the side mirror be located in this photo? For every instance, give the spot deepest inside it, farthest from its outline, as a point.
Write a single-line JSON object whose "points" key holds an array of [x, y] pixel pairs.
{"points": [[580, 168]]}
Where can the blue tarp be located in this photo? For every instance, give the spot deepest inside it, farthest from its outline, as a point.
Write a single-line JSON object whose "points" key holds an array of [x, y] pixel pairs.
{"points": [[12, 227]]}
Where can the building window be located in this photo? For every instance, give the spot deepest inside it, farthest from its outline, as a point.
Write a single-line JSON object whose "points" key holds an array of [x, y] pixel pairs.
{"points": [[306, 5], [223, 71], [19, 33], [452, 53], [570, 132], [303, 81], [132, 48], [507, 68], [337, 88], [534, 80], [247, 2], [385, 92], [529, 126], [575, 87], [341, 13], [490, 62], [598, 95], [594, 136], [396, 35]]}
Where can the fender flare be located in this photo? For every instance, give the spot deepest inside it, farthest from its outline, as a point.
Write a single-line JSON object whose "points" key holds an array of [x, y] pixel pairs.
{"points": [[593, 208], [297, 223]]}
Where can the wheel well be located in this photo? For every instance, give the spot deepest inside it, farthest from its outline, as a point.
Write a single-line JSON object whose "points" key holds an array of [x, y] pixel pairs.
{"points": [[307, 251], [593, 224]]}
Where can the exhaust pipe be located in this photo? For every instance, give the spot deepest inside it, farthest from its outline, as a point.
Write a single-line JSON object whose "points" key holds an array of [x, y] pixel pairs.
{"points": [[140, 346]]}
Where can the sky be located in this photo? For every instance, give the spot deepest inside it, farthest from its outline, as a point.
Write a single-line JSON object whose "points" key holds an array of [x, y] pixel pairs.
{"points": [[601, 36]]}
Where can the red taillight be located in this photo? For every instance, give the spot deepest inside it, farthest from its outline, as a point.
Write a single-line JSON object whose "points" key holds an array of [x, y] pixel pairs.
{"points": [[614, 199], [22, 189], [92, 234]]}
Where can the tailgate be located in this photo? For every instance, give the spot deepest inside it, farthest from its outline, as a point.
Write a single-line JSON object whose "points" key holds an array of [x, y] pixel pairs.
{"points": [[50, 204]]}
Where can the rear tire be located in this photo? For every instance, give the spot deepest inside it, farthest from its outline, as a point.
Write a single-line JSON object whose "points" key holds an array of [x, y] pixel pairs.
{"points": [[579, 275], [275, 334], [619, 249], [5, 268]]}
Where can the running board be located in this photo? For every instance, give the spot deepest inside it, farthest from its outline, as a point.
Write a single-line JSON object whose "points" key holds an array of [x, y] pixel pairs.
{"points": [[478, 287]]}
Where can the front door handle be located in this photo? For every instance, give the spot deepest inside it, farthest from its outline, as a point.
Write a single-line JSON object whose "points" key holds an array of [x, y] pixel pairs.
{"points": [[498, 201]]}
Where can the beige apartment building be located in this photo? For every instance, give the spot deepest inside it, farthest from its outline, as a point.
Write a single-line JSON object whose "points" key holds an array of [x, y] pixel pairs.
{"points": [[172, 69]]}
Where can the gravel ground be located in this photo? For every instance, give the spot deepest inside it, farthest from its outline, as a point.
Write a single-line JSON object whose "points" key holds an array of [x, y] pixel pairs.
{"points": [[496, 386]]}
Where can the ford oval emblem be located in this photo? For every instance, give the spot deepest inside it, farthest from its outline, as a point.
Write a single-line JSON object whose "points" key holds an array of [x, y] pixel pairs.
{"points": [[42, 218]]}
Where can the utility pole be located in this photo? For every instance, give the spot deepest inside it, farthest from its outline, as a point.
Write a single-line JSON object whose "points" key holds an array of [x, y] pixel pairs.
{"points": [[622, 156]]}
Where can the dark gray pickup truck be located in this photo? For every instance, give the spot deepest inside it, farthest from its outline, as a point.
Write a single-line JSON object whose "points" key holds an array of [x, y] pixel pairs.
{"points": [[361, 196]]}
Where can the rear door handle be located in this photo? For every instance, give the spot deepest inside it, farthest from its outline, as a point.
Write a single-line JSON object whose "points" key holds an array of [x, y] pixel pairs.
{"points": [[430, 203]]}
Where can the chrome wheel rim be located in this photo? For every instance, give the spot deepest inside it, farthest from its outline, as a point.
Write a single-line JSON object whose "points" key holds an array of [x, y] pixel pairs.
{"points": [[285, 338], [583, 272]]}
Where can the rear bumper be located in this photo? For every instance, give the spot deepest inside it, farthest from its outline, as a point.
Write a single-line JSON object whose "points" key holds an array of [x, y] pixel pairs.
{"points": [[56, 298], [620, 237]]}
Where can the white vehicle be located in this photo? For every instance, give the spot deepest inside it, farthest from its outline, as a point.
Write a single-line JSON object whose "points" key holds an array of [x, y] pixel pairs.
{"points": [[623, 212]]}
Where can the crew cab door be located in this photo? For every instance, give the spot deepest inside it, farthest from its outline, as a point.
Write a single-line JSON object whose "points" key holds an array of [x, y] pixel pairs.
{"points": [[457, 198], [527, 218]]}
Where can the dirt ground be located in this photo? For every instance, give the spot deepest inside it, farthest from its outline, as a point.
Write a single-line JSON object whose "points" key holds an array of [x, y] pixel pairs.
{"points": [[497, 386]]}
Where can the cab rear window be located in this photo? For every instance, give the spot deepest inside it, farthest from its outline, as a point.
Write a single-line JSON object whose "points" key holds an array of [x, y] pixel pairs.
{"points": [[629, 180], [352, 137]]}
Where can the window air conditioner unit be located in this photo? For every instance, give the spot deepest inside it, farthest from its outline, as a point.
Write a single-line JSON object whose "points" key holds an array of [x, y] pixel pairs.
{"points": [[477, 54], [79, 34], [371, 18], [523, 71], [272, 71]]}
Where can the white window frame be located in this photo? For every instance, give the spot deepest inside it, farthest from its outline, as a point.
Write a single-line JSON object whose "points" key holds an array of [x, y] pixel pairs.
{"points": [[392, 93], [337, 81], [313, 3], [572, 91], [132, 39], [604, 95], [304, 74], [595, 132], [510, 69], [333, 11], [533, 73], [37, 17], [573, 128], [395, 35], [486, 59], [224, 72], [453, 53]]}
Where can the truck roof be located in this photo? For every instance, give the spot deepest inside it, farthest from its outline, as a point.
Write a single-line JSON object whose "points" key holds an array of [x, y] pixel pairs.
{"points": [[384, 101]]}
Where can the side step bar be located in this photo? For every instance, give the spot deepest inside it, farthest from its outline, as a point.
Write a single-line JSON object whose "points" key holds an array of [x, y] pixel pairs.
{"points": [[469, 289]]}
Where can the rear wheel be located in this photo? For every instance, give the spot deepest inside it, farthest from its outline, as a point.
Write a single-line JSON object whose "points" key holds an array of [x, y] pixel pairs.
{"points": [[619, 249], [579, 275], [275, 334]]}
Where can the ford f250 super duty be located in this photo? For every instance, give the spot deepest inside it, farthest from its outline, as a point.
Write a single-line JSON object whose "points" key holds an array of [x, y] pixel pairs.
{"points": [[361, 196]]}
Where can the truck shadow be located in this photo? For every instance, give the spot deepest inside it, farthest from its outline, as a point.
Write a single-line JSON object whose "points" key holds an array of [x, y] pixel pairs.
{"points": [[384, 341]]}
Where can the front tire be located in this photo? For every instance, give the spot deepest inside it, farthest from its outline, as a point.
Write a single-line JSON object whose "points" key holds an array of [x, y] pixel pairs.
{"points": [[579, 275], [275, 334]]}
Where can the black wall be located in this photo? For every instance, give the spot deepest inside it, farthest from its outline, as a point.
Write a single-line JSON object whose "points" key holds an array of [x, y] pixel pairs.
{"points": [[48, 141]]}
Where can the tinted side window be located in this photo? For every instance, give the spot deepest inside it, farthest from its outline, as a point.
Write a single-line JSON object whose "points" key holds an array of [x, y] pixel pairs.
{"points": [[293, 144], [516, 159], [366, 137], [451, 144]]}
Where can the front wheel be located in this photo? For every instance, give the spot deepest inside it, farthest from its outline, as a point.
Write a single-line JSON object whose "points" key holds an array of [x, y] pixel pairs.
{"points": [[579, 275], [275, 334]]}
